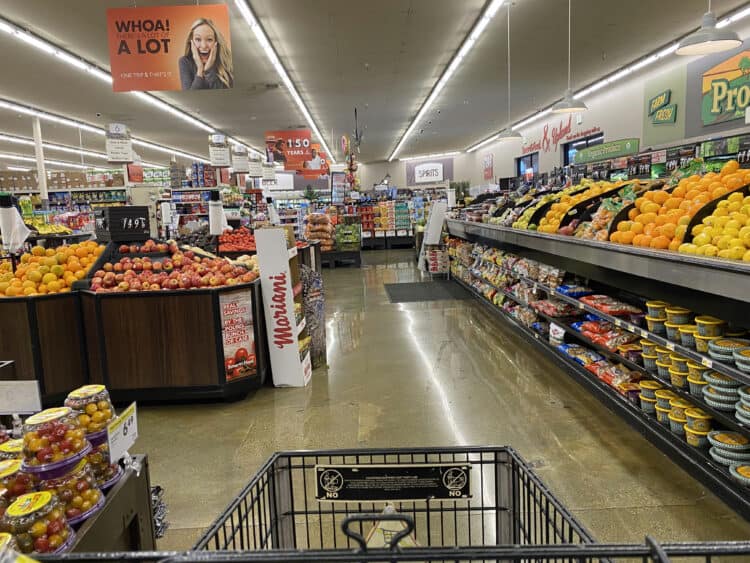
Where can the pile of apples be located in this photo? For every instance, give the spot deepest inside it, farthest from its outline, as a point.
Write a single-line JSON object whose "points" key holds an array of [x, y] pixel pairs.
{"points": [[183, 270], [150, 246]]}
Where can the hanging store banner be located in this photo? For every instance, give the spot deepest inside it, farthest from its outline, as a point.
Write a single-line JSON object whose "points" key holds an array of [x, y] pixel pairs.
{"points": [[237, 334], [666, 114], [119, 146], [255, 168], [433, 171], [292, 147], [170, 48], [613, 149], [218, 151], [659, 101], [240, 160], [488, 166]]}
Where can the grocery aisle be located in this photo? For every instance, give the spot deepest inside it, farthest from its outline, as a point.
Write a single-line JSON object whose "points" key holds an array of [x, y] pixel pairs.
{"points": [[431, 373]]}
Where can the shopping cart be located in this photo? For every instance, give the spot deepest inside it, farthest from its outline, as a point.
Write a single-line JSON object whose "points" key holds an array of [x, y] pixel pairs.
{"points": [[462, 496]]}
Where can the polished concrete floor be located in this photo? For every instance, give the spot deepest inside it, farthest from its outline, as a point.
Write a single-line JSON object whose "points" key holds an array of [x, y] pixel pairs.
{"points": [[428, 374]]}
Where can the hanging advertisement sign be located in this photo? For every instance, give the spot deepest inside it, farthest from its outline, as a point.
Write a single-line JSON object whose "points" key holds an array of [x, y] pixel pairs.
{"points": [[240, 159], [269, 171], [659, 101], [488, 166], [237, 334], [135, 173], [119, 146], [255, 168], [170, 48], [218, 151], [419, 173], [292, 147], [726, 89], [613, 149]]}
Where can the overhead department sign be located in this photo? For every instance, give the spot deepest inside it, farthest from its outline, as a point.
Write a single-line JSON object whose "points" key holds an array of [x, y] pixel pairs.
{"points": [[726, 90], [613, 149], [428, 172]]}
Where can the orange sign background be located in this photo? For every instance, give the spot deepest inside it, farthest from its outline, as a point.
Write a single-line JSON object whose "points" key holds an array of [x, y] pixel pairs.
{"points": [[145, 44]]}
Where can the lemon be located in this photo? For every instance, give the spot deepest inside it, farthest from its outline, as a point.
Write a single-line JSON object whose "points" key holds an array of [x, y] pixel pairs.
{"points": [[737, 196], [726, 254], [736, 242], [710, 250], [731, 232], [698, 229], [746, 239], [710, 221], [702, 240], [746, 256], [722, 221], [734, 206], [734, 224], [737, 252], [740, 217], [721, 205], [684, 247], [721, 211]]}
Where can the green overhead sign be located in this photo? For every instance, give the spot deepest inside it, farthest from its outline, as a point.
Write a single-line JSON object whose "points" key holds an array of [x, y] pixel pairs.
{"points": [[659, 101], [665, 114], [613, 149]]}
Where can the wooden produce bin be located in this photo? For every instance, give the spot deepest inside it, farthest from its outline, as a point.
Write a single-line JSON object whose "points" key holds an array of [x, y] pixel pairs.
{"points": [[44, 336], [170, 345]]}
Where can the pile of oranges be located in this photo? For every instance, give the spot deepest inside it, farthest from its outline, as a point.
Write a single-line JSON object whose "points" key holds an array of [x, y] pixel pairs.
{"points": [[51, 270], [660, 218]]}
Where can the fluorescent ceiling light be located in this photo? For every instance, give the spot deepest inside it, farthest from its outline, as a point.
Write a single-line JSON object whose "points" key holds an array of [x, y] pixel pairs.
{"points": [[63, 148], [18, 168], [79, 63], [7, 156], [11, 106], [620, 73], [433, 155], [270, 52], [466, 46]]}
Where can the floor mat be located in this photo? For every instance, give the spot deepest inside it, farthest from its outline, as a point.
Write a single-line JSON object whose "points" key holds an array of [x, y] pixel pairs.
{"points": [[425, 291]]}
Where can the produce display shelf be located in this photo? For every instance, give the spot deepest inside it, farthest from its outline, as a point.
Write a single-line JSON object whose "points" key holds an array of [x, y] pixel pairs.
{"points": [[695, 461], [711, 276], [678, 348]]}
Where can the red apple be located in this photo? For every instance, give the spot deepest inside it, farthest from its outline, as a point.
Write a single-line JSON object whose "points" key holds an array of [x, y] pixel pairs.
{"points": [[213, 281], [134, 248], [99, 274], [173, 284], [119, 278], [157, 266], [107, 267], [123, 286], [189, 254], [138, 266], [118, 267], [124, 249]]}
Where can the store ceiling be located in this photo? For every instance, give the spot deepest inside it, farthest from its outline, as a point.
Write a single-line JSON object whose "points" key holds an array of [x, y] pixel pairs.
{"points": [[382, 57]]}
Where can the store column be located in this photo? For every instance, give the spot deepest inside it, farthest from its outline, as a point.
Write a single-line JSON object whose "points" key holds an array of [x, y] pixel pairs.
{"points": [[41, 171]]}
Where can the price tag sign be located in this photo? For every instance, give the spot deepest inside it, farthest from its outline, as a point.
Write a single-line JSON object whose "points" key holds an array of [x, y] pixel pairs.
{"points": [[706, 362], [670, 346], [643, 333], [20, 397], [379, 234], [580, 305], [366, 234], [401, 232], [618, 323], [390, 233], [122, 433]]}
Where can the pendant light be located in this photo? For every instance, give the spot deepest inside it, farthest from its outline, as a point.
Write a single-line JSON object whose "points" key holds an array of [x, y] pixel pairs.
{"points": [[568, 104], [708, 39], [509, 134]]}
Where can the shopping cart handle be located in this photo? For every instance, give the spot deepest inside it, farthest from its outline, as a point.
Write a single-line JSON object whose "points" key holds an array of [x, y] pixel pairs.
{"points": [[408, 521]]}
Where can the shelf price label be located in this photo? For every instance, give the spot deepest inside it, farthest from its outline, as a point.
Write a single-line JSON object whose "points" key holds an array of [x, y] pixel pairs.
{"points": [[706, 362], [643, 333], [580, 305], [122, 433], [618, 323], [670, 346], [390, 233]]}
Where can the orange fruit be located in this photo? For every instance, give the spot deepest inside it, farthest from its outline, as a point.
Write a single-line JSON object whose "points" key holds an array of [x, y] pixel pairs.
{"points": [[660, 197], [651, 207], [37, 251], [639, 201], [633, 213], [646, 218], [636, 228], [686, 204], [645, 240], [50, 252], [674, 245], [660, 242], [627, 237], [673, 202], [649, 229], [82, 252], [624, 226], [667, 230], [692, 194], [718, 192], [615, 237], [679, 191], [80, 274]]}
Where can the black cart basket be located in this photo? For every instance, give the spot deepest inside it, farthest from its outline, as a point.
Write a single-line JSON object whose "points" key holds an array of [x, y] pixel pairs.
{"points": [[460, 496]]}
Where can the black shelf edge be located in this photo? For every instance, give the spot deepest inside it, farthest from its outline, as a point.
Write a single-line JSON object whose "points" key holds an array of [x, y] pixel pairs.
{"points": [[695, 461]]}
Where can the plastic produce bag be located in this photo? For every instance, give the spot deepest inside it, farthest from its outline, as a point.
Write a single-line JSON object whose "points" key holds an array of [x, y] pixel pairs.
{"points": [[314, 305], [13, 229]]}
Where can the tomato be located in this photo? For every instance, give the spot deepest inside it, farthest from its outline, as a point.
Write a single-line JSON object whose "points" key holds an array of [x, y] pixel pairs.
{"points": [[41, 545], [241, 355], [229, 364]]}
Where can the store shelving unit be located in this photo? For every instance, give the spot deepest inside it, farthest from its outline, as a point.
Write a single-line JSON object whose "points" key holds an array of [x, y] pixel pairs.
{"points": [[713, 286], [695, 461]]}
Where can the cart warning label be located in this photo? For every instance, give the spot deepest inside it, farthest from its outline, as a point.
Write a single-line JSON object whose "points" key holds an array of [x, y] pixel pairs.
{"points": [[393, 482]]}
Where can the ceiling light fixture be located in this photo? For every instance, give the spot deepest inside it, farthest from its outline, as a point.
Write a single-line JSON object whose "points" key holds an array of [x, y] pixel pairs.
{"points": [[466, 46], [433, 155], [637, 65], [63, 148], [12, 106], [569, 104], [8, 156], [709, 38], [270, 52], [509, 134], [77, 62]]}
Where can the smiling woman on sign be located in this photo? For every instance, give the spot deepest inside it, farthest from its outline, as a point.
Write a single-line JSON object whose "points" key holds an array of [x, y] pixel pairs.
{"points": [[207, 63]]}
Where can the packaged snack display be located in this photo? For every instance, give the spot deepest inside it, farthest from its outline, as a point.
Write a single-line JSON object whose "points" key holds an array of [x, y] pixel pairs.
{"points": [[582, 355], [609, 305], [554, 308], [15, 481], [574, 290], [12, 449], [77, 491], [53, 440], [38, 523], [105, 472], [94, 406]]}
